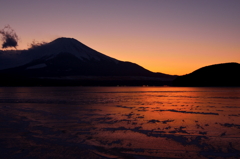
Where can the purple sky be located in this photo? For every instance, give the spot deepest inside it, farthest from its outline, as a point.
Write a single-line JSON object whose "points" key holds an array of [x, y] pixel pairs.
{"points": [[169, 36]]}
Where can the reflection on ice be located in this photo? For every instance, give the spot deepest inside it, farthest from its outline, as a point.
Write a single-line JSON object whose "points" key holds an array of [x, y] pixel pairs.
{"points": [[120, 122]]}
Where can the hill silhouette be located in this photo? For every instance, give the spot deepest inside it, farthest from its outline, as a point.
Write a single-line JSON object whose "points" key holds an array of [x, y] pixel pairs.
{"points": [[225, 74], [68, 61]]}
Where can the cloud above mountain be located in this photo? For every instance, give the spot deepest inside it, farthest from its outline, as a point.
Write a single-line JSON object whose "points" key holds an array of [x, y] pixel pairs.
{"points": [[9, 37]]}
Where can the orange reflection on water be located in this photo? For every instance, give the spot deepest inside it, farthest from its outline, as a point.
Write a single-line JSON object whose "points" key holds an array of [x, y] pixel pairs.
{"points": [[150, 121]]}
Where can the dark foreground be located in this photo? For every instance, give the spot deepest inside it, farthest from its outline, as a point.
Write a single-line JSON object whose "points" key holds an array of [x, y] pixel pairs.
{"points": [[119, 122]]}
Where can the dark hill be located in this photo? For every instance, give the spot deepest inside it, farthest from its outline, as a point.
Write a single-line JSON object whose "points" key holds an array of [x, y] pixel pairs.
{"points": [[68, 61], [226, 74]]}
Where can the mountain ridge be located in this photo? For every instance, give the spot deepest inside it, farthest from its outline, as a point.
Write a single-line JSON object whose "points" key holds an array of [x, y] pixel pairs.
{"points": [[67, 57]]}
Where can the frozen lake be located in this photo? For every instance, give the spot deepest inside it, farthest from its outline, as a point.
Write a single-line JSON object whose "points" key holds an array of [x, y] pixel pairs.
{"points": [[119, 122]]}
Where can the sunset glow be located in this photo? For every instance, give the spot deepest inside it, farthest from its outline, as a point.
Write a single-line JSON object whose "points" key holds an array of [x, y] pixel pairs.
{"points": [[171, 36]]}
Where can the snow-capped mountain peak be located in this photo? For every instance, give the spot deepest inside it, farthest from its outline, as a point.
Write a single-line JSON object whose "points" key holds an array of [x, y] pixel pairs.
{"points": [[72, 46], [50, 50]]}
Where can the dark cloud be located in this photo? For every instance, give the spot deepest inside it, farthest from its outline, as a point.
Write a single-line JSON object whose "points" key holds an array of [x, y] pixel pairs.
{"points": [[36, 44], [9, 37]]}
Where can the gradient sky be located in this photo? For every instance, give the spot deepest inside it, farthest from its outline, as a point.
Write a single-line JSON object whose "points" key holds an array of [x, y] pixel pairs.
{"points": [[168, 36]]}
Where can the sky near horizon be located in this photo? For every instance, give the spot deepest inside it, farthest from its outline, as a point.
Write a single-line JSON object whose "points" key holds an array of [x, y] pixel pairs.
{"points": [[168, 36]]}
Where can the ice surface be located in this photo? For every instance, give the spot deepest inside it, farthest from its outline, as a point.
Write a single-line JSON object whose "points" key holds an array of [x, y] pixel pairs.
{"points": [[120, 122]]}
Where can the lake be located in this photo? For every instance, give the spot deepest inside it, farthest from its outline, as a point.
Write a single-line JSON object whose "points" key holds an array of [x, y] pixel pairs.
{"points": [[119, 122]]}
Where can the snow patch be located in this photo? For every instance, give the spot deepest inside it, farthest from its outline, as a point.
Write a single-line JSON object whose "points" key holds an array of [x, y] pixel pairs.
{"points": [[37, 66]]}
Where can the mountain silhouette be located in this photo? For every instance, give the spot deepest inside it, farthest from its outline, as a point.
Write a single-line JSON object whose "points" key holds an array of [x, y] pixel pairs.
{"points": [[225, 74], [67, 58]]}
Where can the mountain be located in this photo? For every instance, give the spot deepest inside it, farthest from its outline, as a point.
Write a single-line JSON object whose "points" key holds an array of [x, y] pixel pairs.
{"points": [[225, 74], [69, 60]]}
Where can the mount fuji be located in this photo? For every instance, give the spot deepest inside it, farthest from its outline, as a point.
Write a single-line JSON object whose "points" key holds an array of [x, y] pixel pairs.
{"points": [[69, 59]]}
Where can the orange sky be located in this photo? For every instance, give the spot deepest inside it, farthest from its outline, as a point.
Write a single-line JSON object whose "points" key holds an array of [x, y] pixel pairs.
{"points": [[173, 37]]}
